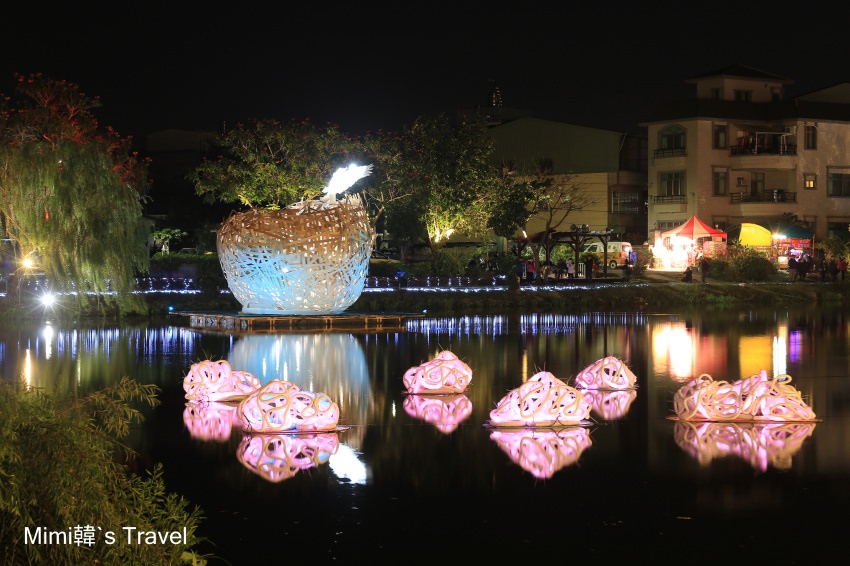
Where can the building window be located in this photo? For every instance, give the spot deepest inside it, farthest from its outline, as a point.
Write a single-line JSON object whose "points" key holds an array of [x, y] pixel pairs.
{"points": [[756, 183], [672, 183], [838, 183], [715, 94], [720, 182], [625, 202], [809, 181], [743, 95], [672, 138], [811, 137], [719, 137]]}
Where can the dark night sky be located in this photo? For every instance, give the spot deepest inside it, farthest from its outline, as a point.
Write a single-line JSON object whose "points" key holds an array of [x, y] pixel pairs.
{"points": [[600, 65]]}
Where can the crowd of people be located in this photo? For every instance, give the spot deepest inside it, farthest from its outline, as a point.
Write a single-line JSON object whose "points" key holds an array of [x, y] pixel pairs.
{"points": [[827, 269]]}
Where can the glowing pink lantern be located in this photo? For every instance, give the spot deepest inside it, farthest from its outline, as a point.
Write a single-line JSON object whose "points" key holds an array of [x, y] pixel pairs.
{"points": [[544, 401], [756, 398], [280, 406], [210, 421], [606, 373], [217, 381], [279, 457], [543, 452], [445, 374], [443, 411]]}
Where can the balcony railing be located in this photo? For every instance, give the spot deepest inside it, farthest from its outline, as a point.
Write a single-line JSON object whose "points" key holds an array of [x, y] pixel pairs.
{"points": [[669, 199], [771, 195], [675, 152], [787, 149]]}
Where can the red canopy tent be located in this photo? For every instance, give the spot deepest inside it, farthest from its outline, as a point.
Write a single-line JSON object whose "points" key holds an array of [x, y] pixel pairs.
{"points": [[694, 229]]}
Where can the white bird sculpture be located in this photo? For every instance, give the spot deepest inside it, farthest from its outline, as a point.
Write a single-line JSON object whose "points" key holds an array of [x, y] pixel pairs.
{"points": [[342, 179]]}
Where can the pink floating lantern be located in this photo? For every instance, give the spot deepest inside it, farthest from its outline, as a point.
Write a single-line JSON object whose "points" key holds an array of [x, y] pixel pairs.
{"points": [[756, 398], [606, 373], [279, 457], [217, 381], [445, 412], [543, 452], [542, 401], [280, 406], [445, 374]]}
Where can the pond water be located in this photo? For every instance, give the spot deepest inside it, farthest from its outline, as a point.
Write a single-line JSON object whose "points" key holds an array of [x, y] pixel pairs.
{"points": [[418, 480]]}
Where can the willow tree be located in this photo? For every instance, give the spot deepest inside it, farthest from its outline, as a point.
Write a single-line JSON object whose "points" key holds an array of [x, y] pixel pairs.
{"points": [[71, 194]]}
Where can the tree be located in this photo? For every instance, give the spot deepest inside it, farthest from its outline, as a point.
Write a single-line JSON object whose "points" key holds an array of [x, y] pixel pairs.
{"points": [[441, 175], [272, 164], [164, 236], [60, 468], [71, 193], [553, 198]]}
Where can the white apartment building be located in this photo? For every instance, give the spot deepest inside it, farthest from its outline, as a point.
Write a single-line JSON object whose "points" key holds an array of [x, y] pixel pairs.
{"points": [[739, 152]]}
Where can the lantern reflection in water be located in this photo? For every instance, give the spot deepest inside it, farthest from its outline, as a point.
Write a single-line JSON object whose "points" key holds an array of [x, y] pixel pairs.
{"points": [[443, 411], [762, 445], [278, 457], [543, 452], [211, 421]]}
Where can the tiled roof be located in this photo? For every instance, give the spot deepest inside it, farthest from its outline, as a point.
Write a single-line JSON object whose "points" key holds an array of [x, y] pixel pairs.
{"points": [[742, 71]]}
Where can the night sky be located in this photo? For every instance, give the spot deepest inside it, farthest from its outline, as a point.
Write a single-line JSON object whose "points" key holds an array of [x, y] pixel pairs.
{"points": [[605, 65]]}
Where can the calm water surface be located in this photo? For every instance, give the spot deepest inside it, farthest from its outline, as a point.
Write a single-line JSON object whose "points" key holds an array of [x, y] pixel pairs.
{"points": [[415, 480]]}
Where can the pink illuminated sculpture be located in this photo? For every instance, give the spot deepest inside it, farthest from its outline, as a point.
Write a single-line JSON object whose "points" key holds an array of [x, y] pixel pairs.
{"points": [[606, 373], [610, 405], [542, 401], [216, 381], [210, 421], [280, 406], [762, 444], [278, 457], [543, 452], [756, 398], [443, 411], [443, 375]]}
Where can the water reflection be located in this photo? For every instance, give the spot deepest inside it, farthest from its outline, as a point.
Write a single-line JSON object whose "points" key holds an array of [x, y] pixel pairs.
{"points": [[278, 457], [334, 364], [398, 463], [543, 452], [761, 445], [443, 411]]}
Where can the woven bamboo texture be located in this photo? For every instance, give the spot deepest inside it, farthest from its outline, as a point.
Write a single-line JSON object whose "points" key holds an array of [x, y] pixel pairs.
{"points": [[309, 258]]}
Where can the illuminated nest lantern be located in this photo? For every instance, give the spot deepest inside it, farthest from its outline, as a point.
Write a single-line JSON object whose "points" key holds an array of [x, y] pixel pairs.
{"points": [[309, 258]]}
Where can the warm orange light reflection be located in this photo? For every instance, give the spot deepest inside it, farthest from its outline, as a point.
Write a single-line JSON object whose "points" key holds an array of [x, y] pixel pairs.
{"points": [[683, 352]]}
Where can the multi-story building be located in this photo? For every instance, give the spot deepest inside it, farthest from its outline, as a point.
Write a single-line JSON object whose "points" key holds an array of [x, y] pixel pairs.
{"points": [[607, 167], [739, 152]]}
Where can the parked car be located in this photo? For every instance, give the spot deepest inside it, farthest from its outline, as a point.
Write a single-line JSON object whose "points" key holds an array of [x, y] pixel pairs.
{"points": [[618, 252]]}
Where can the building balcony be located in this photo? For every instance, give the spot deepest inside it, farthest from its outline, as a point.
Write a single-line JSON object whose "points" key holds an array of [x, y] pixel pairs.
{"points": [[676, 152], [669, 199], [788, 149], [767, 196]]}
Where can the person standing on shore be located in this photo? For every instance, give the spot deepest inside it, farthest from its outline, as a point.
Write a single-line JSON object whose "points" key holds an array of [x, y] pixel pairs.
{"points": [[571, 269], [792, 268], [703, 268], [588, 268]]}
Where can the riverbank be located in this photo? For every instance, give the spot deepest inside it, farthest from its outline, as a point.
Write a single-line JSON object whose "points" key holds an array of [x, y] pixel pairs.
{"points": [[654, 291]]}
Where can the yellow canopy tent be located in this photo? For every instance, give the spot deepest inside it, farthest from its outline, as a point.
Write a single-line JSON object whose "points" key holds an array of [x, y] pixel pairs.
{"points": [[754, 235]]}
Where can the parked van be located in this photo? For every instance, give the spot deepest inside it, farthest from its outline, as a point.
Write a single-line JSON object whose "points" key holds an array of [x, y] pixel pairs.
{"points": [[618, 252]]}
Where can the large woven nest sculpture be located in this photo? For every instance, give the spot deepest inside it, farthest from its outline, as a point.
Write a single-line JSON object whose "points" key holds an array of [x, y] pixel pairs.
{"points": [[309, 258]]}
